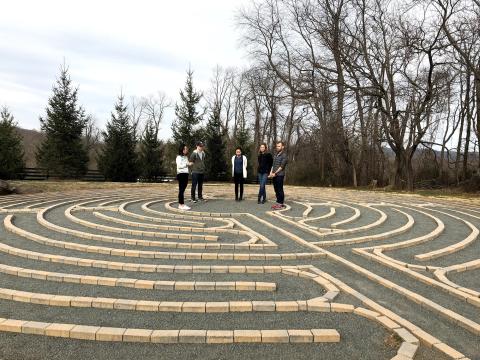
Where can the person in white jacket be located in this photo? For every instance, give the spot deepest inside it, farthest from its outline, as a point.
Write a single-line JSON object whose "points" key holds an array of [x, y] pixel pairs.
{"points": [[182, 175], [239, 172]]}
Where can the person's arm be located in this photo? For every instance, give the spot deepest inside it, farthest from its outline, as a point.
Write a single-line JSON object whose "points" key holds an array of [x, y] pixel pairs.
{"points": [[283, 163], [245, 165], [270, 162]]}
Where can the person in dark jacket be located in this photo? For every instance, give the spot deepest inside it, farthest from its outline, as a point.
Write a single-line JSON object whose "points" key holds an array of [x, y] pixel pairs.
{"points": [[278, 174], [239, 172], [265, 161], [198, 170]]}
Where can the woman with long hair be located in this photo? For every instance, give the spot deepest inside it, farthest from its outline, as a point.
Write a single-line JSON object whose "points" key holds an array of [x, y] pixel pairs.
{"points": [[265, 161], [182, 175]]}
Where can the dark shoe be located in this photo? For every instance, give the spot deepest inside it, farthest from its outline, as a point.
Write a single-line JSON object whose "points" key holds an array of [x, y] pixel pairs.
{"points": [[193, 200], [264, 201], [259, 202], [202, 199]]}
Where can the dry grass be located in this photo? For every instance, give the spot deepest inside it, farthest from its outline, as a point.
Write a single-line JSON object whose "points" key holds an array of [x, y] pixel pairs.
{"points": [[30, 187], [251, 191]]}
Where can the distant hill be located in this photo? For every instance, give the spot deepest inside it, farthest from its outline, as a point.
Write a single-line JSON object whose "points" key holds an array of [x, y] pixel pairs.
{"points": [[33, 138]]}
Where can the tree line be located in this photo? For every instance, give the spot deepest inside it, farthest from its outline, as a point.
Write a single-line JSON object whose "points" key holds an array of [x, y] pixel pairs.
{"points": [[361, 92]]}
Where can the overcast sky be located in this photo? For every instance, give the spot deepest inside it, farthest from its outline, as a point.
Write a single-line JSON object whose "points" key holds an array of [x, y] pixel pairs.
{"points": [[139, 46]]}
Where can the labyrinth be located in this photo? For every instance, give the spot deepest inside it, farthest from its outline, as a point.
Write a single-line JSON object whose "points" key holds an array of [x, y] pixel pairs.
{"points": [[338, 274]]}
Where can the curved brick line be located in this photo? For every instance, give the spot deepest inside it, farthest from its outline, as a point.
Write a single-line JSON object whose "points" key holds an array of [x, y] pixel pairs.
{"points": [[330, 214], [185, 336], [118, 209], [172, 244], [383, 217], [158, 220], [382, 236], [440, 274], [389, 318], [327, 232], [158, 234], [8, 223], [180, 214], [452, 248], [133, 241], [352, 218], [159, 255], [355, 216], [440, 228], [178, 220], [57, 200], [254, 237], [379, 252], [169, 207], [243, 306], [125, 266], [450, 315], [169, 285], [266, 241], [385, 260]]}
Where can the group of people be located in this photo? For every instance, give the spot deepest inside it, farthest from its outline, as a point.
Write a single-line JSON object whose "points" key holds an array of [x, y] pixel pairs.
{"points": [[269, 166]]}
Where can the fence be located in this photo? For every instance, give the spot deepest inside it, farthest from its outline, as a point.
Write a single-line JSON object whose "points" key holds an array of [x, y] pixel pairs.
{"points": [[36, 173]]}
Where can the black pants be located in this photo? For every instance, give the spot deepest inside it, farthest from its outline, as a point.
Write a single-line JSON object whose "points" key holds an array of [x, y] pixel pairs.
{"points": [[182, 185], [238, 178], [278, 186], [197, 180]]}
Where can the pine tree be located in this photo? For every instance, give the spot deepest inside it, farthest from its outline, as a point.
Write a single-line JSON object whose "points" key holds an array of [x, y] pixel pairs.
{"points": [[185, 127], [63, 151], [151, 154], [11, 148], [215, 161], [118, 160]]}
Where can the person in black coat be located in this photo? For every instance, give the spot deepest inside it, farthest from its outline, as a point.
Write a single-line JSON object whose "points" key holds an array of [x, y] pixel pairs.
{"points": [[265, 161]]}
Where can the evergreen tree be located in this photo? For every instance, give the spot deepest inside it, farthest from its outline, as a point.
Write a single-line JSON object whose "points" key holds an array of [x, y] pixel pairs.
{"points": [[11, 148], [215, 140], [185, 127], [63, 151], [151, 154], [245, 142], [118, 160]]}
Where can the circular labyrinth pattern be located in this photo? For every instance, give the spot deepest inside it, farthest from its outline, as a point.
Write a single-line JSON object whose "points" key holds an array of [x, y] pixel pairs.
{"points": [[335, 275]]}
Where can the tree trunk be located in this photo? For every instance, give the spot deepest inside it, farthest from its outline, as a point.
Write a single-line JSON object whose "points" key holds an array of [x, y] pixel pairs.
{"points": [[403, 178]]}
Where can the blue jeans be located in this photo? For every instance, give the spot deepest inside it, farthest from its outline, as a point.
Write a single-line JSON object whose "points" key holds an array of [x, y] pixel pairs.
{"points": [[262, 180], [197, 180]]}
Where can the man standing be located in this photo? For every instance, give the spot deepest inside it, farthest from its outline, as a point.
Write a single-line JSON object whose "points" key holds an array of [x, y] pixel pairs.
{"points": [[278, 174], [198, 170]]}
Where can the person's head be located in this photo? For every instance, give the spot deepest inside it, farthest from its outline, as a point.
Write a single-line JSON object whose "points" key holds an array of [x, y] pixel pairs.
{"points": [[238, 151], [263, 148], [279, 146], [183, 150], [200, 146]]}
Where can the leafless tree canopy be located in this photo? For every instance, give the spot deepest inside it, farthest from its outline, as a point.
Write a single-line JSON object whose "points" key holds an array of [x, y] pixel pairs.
{"points": [[380, 90]]}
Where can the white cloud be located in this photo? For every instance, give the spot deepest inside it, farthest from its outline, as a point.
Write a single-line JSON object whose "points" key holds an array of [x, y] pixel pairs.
{"points": [[141, 47]]}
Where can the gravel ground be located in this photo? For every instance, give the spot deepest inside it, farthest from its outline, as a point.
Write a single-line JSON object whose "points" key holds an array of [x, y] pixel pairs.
{"points": [[360, 338]]}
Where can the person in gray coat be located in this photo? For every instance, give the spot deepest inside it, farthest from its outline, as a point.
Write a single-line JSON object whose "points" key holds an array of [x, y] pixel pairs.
{"points": [[197, 158]]}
